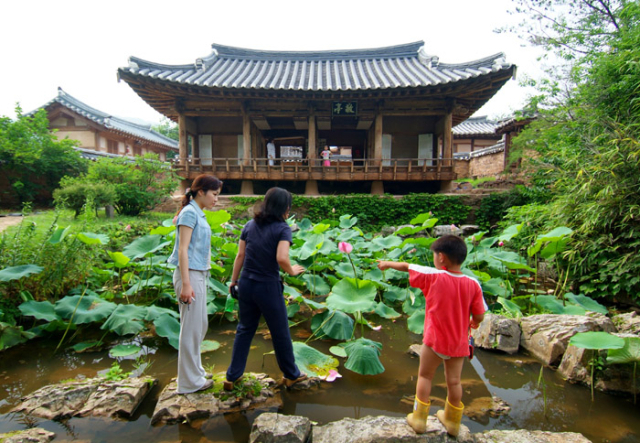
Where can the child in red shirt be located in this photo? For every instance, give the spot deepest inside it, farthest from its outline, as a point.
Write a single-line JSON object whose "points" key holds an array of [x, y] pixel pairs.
{"points": [[454, 303]]}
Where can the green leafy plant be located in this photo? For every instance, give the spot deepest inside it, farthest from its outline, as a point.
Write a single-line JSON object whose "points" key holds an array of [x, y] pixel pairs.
{"points": [[115, 373]]}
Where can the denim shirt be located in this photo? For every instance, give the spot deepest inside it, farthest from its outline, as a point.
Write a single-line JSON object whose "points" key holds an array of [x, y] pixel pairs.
{"points": [[199, 251]]}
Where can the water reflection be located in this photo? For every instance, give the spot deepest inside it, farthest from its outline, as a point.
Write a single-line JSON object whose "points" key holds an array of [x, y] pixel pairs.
{"points": [[512, 378]]}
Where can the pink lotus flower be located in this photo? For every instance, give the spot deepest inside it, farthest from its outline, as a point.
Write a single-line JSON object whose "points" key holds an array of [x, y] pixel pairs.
{"points": [[376, 328], [331, 377], [453, 227], [127, 228], [345, 247], [501, 243]]}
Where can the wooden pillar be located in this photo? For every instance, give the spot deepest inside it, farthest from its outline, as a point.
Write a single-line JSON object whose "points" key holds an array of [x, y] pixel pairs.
{"points": [[377, 144], [447, 140], [311, 187], [312, 153], [183, 141], [246, 138]]}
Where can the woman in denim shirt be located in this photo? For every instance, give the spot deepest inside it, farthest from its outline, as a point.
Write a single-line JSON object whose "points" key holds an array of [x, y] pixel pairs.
{"points": [[192, 256]]}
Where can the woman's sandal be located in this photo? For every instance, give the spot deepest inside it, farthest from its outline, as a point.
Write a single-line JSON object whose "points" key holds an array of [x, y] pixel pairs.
{"points": [[207, 384], [229, 385], [288, 383]]}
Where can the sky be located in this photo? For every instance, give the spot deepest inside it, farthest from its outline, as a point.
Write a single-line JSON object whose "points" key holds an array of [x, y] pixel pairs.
{"points": [[79, 45]]}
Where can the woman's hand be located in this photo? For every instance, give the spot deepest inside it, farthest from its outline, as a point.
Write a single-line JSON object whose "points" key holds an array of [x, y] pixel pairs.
{"points": [[297, 270], [187, 295]]}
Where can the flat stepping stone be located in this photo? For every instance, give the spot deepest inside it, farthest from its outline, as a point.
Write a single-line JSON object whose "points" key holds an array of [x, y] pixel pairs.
{"points": [[255, 391], [33, 435], [95, 397]]}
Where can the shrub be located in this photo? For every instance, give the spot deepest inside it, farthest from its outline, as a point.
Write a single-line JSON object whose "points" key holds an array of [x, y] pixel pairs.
{"points": [[77, 193]]}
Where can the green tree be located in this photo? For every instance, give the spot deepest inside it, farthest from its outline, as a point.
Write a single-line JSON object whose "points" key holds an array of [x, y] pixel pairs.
{"points": [[169, 129], [139, 184], [587, 140], [32, 158]]}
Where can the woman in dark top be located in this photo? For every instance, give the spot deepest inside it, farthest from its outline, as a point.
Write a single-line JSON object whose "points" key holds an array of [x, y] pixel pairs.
{"points": [[262, 251]]}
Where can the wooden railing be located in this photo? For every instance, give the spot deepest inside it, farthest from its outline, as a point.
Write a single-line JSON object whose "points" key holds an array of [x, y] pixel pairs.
{"points": [[402, 169]]}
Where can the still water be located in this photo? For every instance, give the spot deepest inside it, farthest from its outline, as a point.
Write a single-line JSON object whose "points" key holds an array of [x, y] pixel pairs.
{"points": [[512, 378]]}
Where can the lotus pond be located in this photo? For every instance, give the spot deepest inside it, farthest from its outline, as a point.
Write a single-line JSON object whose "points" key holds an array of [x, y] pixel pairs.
{"points": [[345, 315]]}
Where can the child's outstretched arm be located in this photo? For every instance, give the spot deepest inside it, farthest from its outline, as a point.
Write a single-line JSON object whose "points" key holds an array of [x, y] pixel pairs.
{"points": [[398, 266]]}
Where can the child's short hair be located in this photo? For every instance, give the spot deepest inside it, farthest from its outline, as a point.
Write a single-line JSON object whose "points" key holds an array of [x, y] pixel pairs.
{"points": [[452, 246]]}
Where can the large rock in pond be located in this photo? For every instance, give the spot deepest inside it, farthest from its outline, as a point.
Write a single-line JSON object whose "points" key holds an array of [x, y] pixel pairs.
{"points": [[382, 429], [271, 427], [615, 378], [628, 323], [546, 336], [523, 436], [91, 397], [33, 435], [254, 391], [499, 333]]}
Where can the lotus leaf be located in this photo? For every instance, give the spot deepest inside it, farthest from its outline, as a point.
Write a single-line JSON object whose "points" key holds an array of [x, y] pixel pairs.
{"points": [[18, 272], [348, 297], [41, 310], [311, 246], [124, 350], [596, 340], [409, 230], [87, 346], [496, 287], [320, 228], [553, 248], [334, 324], [388, 242], [629, 353], [218, 287], [347, 221], [316, 284], [510, 232], [385, 311], [84, 309], [209, 346], [586, 302], [555, 234], [424, 242], [154, 312], [312, 304], [162, 230], [127, 319], [144, 245], [423, 218], [217, 218], [348, 235], [364, 357], [555, 306], [89, 238], [292, 309], [58, 235], [312, 361], [338, 351], [169, 328], [394, 294], [509, 306], [415, 322], [230, 248], [344, 269], [12, 335], [119, 259]]}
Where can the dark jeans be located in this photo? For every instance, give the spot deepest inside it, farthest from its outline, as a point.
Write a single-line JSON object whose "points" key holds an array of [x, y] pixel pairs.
{"points": [[262, 298]]}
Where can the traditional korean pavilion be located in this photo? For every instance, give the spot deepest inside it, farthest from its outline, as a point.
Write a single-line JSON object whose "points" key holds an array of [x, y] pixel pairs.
{"points": [[385, 114]]}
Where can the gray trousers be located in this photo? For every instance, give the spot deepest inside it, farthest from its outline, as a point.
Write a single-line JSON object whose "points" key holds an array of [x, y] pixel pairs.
{"points": [[193, 328]]}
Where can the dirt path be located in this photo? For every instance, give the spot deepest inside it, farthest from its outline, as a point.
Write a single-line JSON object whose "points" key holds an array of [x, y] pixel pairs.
{"points": [[5, 222]]}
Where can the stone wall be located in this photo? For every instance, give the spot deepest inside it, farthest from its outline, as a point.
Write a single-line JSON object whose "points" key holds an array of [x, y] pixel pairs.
{"points": [[482, 163]]}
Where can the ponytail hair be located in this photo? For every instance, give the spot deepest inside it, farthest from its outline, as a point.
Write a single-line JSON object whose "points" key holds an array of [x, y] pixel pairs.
{"points": [[277, 202], [203, 183]]}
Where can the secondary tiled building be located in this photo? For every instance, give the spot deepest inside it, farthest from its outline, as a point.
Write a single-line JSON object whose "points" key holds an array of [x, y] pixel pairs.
{"points": [[102, 134]]}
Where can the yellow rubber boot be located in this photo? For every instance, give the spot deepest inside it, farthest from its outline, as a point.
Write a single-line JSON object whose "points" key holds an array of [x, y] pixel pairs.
{"points": [[418, 418], [451, 418]]}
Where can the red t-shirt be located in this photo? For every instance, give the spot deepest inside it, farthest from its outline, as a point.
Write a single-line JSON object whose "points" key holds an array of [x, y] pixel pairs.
{"points": [[451, 298]]}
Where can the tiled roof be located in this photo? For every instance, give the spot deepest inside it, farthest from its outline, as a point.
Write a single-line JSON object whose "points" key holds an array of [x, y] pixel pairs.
{"points": [[498, 147], [475, 126], [402, 66], [111, 122]]}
